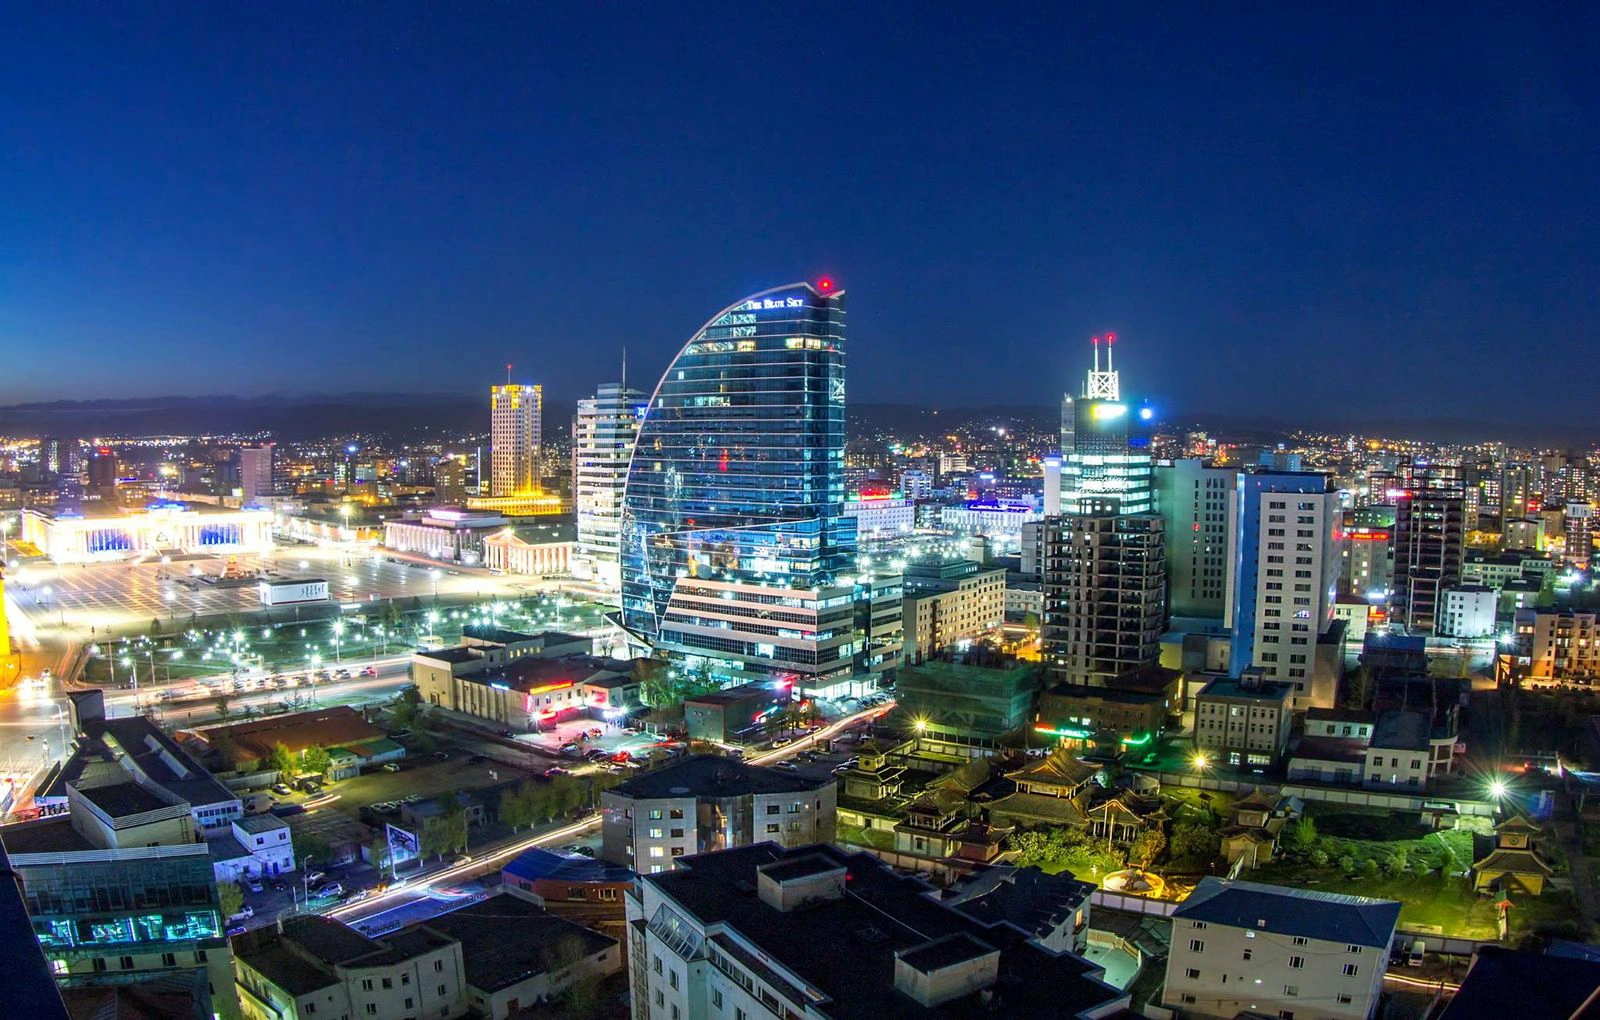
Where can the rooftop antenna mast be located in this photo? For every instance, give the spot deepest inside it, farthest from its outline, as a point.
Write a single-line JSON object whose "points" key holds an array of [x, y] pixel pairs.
{"points": [[508, 373], [1103, 385]]}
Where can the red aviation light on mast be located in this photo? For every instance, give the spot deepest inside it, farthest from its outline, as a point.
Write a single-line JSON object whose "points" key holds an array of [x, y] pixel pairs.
{"points": [[825, 284]]}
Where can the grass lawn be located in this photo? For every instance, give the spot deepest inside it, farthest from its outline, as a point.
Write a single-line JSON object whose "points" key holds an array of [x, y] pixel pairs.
{"points": [[1447, 904], [859, 835], [1189, 803]]}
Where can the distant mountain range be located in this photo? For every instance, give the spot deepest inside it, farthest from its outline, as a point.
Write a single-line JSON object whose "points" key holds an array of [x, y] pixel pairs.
{"points": [[410, 415]]}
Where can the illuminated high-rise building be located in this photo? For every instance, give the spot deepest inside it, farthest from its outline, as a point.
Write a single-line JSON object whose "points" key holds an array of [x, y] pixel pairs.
{"points": [[1429, 547], [103, 473], [737, 557], [603, 430], [258, 471], [1194, 498], [1104, 556], [514, 437]]}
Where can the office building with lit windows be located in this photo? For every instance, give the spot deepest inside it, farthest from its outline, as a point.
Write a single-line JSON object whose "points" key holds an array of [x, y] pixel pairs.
{"points": [[1193, 498], [1429, 547], [736, 554], [603, 431], [1285, 580], [514, 437]]}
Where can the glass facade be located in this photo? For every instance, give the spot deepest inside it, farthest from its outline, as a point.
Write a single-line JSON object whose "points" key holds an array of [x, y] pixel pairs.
{"points": [[737, 476]]}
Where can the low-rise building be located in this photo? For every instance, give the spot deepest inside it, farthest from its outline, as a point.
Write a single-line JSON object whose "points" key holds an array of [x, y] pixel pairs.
{"points": [[447, 534], [581, 889], [531, 550], [1134, 711], [1469, 611], [816, 931], [350, 740], [708, 802], [120, 890], [732, 714], [311, 967], [1244, 721], [518, 956], [1247, 948], [518, 680], [881, 513], [259, 846]]}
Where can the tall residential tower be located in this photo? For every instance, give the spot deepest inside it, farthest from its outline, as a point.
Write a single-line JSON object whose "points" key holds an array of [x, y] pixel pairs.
{"points": [[603, 430]]}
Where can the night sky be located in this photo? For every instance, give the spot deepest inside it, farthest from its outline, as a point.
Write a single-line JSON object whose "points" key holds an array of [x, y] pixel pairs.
{"points": [[1307, 213]]}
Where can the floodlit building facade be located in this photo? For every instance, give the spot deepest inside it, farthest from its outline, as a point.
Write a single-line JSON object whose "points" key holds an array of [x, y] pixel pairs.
{"points": [[514, 437]]}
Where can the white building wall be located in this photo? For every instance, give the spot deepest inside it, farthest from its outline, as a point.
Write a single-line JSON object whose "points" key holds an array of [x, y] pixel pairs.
{"points": [[1299, 564], [1216, 970]]}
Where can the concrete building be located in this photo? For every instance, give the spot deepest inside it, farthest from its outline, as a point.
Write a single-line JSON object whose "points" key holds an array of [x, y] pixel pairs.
{"points": [[1579, 533], [515, 426], [447, 534], [352, 741], [102, 531], [532, 550], [1284, 578], [1000, 520], [1366, 552], [450, 482], [260, 473], [1244, 721], [949, 604], [1430, 544], [733, 714], [603, 432], [1265, 950], [1104, 594], [708, 802], [1469, 612], [1194, 499], [587, 891], [966, 704], [816, 931], [136, 747], [121, 891], [881, 513], [1525, 533], [1557, 644], [313, 967], [259, 846]]}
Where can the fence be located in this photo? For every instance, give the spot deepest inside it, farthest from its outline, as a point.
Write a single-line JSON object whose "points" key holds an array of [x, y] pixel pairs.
{"points": [[1131, 903], [1330, 795]]}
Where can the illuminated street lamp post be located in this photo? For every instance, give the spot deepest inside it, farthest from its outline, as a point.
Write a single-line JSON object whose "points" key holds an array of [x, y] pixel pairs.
{"points": [[338, 641]]}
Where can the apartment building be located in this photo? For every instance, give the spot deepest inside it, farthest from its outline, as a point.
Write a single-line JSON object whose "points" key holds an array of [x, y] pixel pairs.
{"points": [[949, 604], [1244, 721], [708, 802], [1557, 644], [815, 931], [1266, 950]]}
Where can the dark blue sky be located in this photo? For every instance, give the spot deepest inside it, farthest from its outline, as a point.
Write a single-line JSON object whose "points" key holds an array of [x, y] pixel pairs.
{"points": [[1390, 212]]}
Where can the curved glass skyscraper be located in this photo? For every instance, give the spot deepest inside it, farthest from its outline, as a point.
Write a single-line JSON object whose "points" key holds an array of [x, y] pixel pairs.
{"points": [[735, 549]]}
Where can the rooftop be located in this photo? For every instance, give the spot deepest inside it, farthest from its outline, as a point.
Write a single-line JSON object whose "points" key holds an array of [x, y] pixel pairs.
{"points": [[120, 800], [711, 775], [1501, 983], [1254, 690], [323, 727], [845, 949], [1331, 917], [1404, 731], [536, 865], [735, 695], [508, 938]]}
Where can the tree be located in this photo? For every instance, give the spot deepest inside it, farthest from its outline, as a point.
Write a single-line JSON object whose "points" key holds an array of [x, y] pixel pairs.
{"points": [[1369, 869], [1195, 841], [316, 760], [445, 832], [517, 805], [282, 760], [378, 851], [155, 627], [230, 898], [224, 706], [1303, 834], [1147, 848]]}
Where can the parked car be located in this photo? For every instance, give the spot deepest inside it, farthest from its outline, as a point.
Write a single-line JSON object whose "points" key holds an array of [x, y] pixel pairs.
{"points": [[411, 798], [441, 755], [597, 754], [330, 889], [315, 877], [245, 913], [477, 759], [400, 733], [391, 766], [281, 789], [577, 850], [311, 786], [571, 751], [556, 770]]}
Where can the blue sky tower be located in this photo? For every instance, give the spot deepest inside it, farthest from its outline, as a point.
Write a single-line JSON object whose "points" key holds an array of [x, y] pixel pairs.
{"points": [[734, 544]]}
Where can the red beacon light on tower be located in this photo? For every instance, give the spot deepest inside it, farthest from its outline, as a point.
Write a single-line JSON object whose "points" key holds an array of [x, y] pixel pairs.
{"points": [[825, 284]]}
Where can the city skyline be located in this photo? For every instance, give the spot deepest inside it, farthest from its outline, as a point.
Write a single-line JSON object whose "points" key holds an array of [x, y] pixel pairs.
{"points": [[1316, 216]]}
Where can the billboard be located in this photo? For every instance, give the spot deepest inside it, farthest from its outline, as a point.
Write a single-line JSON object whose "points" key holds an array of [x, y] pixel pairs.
{"points": [[289, 593]]}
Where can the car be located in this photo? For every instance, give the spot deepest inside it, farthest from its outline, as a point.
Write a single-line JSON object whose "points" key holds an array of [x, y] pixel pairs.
{"points": [[556, 770], [237, 929], [571, 751], [461, 858], [400, 734], [343, 674], [245, 913], [370, 671], [391, 766], [621, 756], [411, 798], [598, 753], [329, 889], [477, 759], [314, 877], [254, 885], [441, 756], [782, 741], [786, 765], [841, 769], [578, 850], [311, 786], [281, 789], [386, 807]]}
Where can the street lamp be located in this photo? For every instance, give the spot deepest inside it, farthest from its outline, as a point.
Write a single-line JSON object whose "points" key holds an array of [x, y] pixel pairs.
{"points": [[1200, 761], [338, 641]]}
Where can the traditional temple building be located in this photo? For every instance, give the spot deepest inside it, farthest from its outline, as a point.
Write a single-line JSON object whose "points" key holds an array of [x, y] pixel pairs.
{"points": [[1514, 864], [1049, 791]]}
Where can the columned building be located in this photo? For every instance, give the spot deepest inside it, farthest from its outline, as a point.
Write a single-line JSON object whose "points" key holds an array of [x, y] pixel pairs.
{"points": [[736, 555], [514, 437], [603, 431]]}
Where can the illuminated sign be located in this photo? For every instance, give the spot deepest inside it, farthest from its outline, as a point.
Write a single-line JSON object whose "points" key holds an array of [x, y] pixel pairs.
{"points": [[765, 304], [1068, 733], [1105, 411]]}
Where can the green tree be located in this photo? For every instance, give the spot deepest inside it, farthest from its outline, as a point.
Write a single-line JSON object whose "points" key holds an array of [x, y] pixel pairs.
{"points": [[517, 806], [1303, 834], [155, 627], [1369, 869], [1195, 841], [378, 851], [316, 760], [1147, 848], [230, 898], [224, 706], [282, 760], [1398, 863]]}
